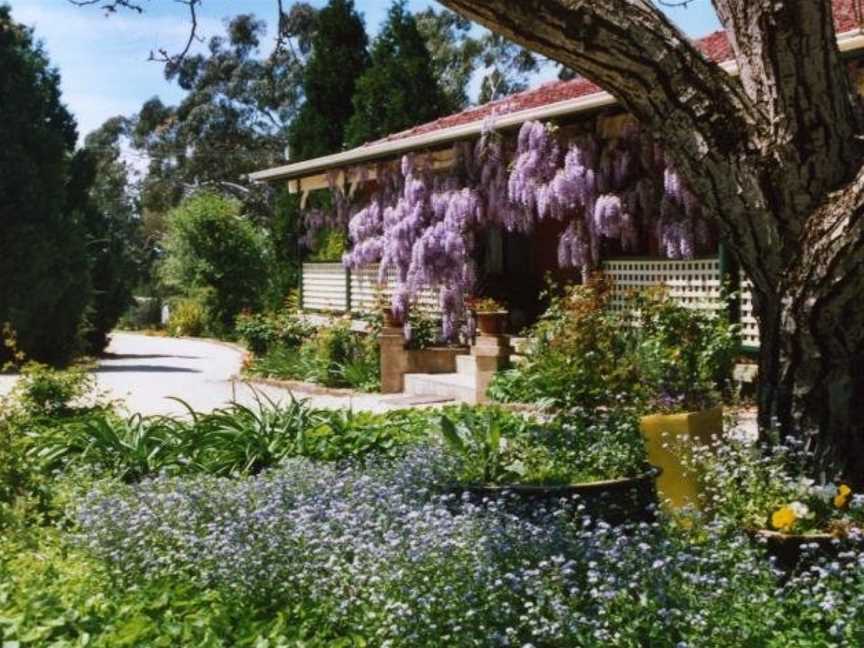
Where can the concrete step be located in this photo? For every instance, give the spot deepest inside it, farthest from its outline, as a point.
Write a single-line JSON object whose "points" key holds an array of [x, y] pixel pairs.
{"points": [[466, 365], [453, 386]]}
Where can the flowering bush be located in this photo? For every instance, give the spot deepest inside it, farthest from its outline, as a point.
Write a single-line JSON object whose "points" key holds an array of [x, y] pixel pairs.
{"points": [[685, 356], [652, 353], [580, 355]]}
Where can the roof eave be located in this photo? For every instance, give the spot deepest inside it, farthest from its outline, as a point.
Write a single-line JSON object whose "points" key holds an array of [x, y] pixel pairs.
{"points": [[847, 42]]}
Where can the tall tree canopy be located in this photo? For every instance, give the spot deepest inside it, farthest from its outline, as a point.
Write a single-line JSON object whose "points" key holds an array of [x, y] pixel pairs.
{"points": [[233, 119], [339, 57], [400, 89], [775, 157]]}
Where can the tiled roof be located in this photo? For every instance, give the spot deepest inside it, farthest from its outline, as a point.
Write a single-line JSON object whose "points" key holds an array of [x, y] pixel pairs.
{"points": [[847, 16]]}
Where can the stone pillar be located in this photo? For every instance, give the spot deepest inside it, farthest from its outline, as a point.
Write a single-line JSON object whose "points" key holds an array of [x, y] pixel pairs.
{"points": [[490, 353], [394, 360]]}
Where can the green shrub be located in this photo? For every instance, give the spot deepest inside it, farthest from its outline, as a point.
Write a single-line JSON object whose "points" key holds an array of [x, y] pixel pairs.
{"points": [[497, 447], [653, 353], [43, 391], [216, 255], [424, 329], [264, 331], [144, 313], [685, 356], [581, 354], [335, 356], [188, 318]]}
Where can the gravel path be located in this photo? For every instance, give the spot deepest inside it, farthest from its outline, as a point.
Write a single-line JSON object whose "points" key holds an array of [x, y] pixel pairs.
{"points": [[145, 372]]}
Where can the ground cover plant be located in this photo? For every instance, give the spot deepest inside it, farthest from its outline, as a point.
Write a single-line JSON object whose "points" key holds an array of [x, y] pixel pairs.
{"points": [[354, 536], [373, 555]]}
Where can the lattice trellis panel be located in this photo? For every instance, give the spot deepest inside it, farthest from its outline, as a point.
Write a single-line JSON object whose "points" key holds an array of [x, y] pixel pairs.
{"points": [[325, 287], [749, 323], [693, 284], [365, 290]]}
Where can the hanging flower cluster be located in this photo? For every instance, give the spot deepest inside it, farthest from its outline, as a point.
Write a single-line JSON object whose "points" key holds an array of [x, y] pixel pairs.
{"points": [[421, 226]]}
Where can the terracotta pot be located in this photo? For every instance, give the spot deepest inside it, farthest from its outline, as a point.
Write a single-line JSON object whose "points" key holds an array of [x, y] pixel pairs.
{"points": [[676, 487], [390, 319], [615, 501], [492, 323], [788, 548]]}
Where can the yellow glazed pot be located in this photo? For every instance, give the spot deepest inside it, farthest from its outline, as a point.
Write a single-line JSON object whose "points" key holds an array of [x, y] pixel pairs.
{"points": [[675, 488]]}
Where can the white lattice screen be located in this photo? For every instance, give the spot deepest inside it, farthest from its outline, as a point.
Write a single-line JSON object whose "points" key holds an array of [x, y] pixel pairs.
{"points": [[749, 323], [325, 288], [693, 284], [365, 288]]}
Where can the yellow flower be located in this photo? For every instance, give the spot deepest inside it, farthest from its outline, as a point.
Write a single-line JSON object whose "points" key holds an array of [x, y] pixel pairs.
{"points": [[842, 497], [783, 518]]}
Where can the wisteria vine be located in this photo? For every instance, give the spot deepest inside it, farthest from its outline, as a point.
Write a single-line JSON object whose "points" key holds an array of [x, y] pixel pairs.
{"points": [[421, 226]]}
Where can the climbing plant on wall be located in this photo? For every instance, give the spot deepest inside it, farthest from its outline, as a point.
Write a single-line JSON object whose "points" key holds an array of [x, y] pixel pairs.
{"points": [[422, 225]]}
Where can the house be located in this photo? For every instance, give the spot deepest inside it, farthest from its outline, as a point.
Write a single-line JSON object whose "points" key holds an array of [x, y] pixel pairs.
{"points": [[515, 262]]}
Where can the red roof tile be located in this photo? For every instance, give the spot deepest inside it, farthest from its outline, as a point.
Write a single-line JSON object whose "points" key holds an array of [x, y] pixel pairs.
{"points": [[848, 15]]}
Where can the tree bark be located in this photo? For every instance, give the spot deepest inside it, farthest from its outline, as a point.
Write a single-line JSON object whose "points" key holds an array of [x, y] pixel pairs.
{"points": [[775, 158]]}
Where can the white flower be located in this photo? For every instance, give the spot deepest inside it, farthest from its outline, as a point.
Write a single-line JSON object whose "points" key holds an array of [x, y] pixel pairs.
{"points": [[824, 492], [801, 510]]}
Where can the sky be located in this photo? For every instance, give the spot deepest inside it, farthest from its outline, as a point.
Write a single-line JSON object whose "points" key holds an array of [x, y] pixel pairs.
{"points": [[103, 60]]}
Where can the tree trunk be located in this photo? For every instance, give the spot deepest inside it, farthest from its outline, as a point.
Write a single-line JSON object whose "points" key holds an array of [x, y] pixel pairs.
{"points": [[812, 338]]}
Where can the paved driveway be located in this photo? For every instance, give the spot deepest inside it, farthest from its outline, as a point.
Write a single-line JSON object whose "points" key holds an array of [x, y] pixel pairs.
{"points": [[145, 372]]}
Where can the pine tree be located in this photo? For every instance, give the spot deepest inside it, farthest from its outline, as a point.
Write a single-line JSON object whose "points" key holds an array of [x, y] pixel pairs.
{"points": [[339, 57], [399, 90]]}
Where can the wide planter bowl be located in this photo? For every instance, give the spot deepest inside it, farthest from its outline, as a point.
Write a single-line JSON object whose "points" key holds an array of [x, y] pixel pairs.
{"points": [[615, 501], [669, 439], [791, 549], [492, 323]]}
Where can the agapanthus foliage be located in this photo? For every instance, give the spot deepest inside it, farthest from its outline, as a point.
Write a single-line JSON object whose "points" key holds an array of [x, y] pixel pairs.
{"points": [[422, 225]]}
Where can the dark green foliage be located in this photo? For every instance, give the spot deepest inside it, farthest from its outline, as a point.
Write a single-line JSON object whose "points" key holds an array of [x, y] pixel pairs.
{"points": [[217, 257], [99, 184], [338, 59], [264, 331], [454, 53], [43, 264], [400, 89]]}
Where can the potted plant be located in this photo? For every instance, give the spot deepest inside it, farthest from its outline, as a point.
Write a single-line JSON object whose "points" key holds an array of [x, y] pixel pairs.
{"points": [[490, 314], [685, 359], [598, 457], [766, 491], [389, 316]]}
